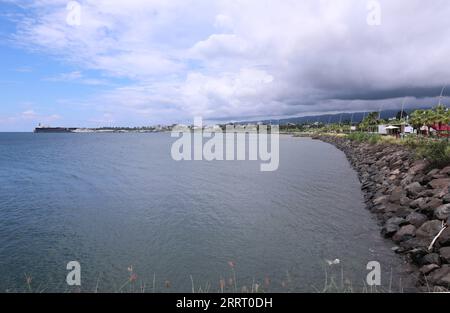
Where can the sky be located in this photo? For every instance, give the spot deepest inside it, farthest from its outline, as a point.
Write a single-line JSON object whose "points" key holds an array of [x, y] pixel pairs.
{"points": [[93, 63]]}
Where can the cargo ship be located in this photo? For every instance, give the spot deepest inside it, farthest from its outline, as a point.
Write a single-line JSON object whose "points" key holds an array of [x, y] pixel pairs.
{"points": [[46, 129]]}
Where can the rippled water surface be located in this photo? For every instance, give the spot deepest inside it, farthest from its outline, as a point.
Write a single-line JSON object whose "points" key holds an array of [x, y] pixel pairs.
{"points": [[111, 201]]}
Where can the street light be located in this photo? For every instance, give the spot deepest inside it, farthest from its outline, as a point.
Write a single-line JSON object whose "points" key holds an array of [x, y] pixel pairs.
{"points": [[403, 104], [442, 92]]}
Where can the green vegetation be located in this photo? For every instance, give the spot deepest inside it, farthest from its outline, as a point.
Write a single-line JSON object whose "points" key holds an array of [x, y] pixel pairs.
{"points": [[439, 115], [425, 143], [365, 137], [371, 122], [435, 151]]}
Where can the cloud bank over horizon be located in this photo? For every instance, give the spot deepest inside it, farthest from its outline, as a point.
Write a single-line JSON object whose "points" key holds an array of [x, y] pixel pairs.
{"points": [[161, 61]]}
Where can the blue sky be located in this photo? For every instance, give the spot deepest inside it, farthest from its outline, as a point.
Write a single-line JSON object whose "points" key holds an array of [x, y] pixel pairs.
{"points": [[143, 62]]}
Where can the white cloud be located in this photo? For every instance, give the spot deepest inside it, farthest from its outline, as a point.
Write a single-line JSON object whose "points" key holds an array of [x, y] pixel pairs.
{"points": [[27, 117], [32, 115], [230, 58], [77, 77]]}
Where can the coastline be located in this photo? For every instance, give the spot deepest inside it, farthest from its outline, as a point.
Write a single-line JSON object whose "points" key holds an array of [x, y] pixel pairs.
{"points": [[411, 202]]}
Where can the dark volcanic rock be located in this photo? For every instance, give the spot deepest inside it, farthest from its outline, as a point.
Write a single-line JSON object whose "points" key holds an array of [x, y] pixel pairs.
{"points": [[430, 205], [410, 201], [429, 229], [404, 233], [445, 171], [446, 198], [397, 194], [444, 239], [418, 167], [414, 189], [416, 219], [381, 200], [442, 212], [426, 269], [433, 172], [392, 226], [403, 212], [440, 183], [405, 201], [432, 258], [445, 254], [440, 276], [417, 254], [420, 202]]}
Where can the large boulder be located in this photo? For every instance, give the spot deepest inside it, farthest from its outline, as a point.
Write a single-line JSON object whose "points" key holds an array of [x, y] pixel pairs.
{"points": [[392, 207], [433, 172], [428, 193], [397, 194], [431, 258], [380, 200], [418, 167], [429, 229], [408, 179], [444, 239], [405, 201], [392, 226], [416, 219], [404, 233], [420, 202], [446, 198], [403, 212], [445, 171], [430, 205], [445, 254], [440, 276], [442, 212], [440, 183], [414, 189], [427, 269], [417, 254]]}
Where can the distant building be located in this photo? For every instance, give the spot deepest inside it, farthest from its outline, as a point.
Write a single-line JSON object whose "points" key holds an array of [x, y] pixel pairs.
{"points": [[393, 129]]}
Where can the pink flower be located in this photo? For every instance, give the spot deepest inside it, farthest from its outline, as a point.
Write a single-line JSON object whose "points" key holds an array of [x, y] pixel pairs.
{"points": [[133, 277], [231, 264], [222, 283]]}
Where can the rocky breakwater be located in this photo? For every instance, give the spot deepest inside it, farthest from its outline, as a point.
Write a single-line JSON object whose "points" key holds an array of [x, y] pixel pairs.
{"points": [[412, 202]]}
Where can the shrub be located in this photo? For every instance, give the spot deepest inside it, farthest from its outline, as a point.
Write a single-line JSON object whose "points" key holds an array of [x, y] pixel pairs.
{"points": [[437, 152], [364, 137], [414, 142]]}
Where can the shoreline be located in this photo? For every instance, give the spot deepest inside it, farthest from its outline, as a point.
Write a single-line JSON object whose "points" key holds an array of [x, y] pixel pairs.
{"points": [[410, 200]]}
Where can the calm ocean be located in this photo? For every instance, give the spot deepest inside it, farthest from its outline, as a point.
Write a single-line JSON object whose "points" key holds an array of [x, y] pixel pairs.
{"points": [[111, 201]]}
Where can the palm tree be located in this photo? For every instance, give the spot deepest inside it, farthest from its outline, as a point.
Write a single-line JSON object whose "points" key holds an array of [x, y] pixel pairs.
{"points": [[441, 115], [417, 119], [370, 121], [430, 118]]}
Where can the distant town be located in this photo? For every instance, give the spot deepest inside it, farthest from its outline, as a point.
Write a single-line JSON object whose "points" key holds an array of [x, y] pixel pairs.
{"points": [[384, 123]]}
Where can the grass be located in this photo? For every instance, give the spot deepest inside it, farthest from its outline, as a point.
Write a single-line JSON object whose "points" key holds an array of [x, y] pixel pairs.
{"points": [[435, 150], [365, 137], [335, 281]]}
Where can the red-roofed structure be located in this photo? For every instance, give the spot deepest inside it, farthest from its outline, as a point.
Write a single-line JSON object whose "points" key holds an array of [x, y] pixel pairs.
{"points": [[443, 130]]}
